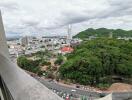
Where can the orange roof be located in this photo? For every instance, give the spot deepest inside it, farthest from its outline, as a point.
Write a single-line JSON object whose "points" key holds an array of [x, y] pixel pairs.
{"points": [[67, 49]]}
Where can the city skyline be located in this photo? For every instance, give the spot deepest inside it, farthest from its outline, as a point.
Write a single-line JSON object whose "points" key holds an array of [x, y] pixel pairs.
{"points": [[53, 17]]}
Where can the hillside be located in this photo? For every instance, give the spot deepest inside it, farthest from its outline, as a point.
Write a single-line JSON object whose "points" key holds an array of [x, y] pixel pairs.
{"points": [[99, 62], [103, 32]]}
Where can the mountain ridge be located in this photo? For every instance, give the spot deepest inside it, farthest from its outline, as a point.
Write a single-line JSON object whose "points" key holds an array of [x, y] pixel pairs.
{"points": [[103, 32]]}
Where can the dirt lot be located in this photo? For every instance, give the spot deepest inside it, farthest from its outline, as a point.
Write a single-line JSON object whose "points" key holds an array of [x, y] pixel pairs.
{"points": [[120, 87]]}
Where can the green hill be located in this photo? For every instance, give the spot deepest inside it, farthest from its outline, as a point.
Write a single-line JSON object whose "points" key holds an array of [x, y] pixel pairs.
{"points": [[95, 62], [103, 32]]}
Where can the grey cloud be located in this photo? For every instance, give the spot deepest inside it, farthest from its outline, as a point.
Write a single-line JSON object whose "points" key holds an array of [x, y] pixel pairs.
{"points": [[116, 8], [30, 23], [8, 6], [72, 12]]}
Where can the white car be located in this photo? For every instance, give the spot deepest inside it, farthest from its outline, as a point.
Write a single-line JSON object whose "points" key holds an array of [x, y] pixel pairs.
{"points": [[73, 90]]}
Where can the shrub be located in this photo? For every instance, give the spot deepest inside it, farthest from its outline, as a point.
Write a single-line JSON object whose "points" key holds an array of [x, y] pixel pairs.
{"points": [[59, 60], [43, 62]]}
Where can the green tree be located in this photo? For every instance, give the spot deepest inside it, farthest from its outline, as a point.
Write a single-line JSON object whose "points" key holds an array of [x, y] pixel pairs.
{"points": [[97, 61], [59, 60], [28, 65]]}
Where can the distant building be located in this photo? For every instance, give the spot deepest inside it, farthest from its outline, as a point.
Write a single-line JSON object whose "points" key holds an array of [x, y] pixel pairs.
{"points": [[75, 42], [124, 38], [13, 53], [110, 35], [66, 50], [91, 37], [24, 41]]}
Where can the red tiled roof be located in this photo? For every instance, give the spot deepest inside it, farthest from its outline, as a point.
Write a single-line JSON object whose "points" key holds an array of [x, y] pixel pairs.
{"points": [[67, 49]]}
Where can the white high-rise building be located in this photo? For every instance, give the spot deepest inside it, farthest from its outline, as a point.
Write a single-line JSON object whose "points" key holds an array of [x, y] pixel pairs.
{"points": [[69, 32]]}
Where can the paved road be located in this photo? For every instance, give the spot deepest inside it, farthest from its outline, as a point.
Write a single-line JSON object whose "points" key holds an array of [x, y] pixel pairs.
{"points": [[58, 87]]}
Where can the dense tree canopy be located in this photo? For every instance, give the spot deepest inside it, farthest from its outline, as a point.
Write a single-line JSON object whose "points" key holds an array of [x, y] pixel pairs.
{"points": [[34, 65], [103, 32], [29, 65], [59, 60], [97, 61], [43, 55]]}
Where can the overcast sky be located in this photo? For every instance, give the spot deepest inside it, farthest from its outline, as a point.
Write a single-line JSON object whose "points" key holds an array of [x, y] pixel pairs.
{"points": [[46, 17]]}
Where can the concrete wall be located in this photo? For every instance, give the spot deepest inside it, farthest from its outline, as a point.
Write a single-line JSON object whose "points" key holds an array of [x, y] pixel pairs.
{"points": [[108, 97], [122, 96], [118, 96], [3, 44]]}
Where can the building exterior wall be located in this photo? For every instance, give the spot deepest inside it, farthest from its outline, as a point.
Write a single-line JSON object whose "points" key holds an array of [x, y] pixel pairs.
{"points": [[24, 41], [3, 44]]}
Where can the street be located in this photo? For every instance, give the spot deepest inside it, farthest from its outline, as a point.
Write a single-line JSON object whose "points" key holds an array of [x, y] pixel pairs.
{"points": [[53, 85]]}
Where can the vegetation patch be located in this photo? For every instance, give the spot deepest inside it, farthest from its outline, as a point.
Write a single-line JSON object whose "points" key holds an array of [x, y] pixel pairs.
{"points": [[103, 32], [96, 62]]}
